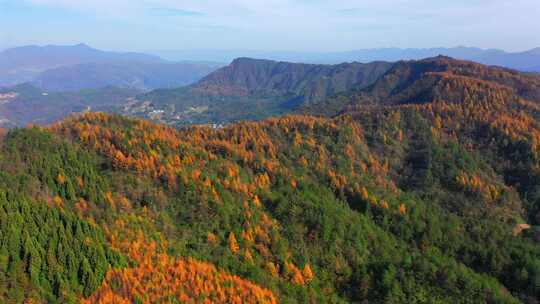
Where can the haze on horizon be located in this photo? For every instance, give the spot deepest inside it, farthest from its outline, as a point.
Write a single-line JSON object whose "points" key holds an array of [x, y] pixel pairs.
{"points": [[292, 25]]}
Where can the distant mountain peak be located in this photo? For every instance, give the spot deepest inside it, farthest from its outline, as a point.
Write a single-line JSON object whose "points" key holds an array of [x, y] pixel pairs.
{"points": [[83, 46], [535, 51], [249, 60], [22, 64], [439, 58]]}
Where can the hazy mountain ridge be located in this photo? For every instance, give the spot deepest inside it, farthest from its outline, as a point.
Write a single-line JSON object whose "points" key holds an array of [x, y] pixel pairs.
{"points": [[21, 64], [525, 60], [135, 75], [82, 67]]}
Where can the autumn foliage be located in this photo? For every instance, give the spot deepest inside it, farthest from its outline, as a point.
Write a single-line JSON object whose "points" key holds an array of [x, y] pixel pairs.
{"points": [[159, 278]]}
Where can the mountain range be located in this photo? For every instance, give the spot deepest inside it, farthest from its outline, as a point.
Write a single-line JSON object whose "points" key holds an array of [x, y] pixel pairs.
{"points": [[246, 89], [430, 80], [135, 75], [528, 61], [255, 89], [69, 68]]}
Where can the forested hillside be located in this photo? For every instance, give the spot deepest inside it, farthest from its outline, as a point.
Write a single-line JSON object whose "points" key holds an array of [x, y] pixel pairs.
{"points": [[438, 79], [388, 200], [311, 82]]}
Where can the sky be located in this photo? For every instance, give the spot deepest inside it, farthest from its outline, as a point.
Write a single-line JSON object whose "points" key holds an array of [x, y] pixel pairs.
{"points": [[291, 25]]}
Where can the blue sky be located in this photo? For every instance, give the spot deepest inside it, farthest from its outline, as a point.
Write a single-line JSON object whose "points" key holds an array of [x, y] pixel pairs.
{"points": [[294, 25]]}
